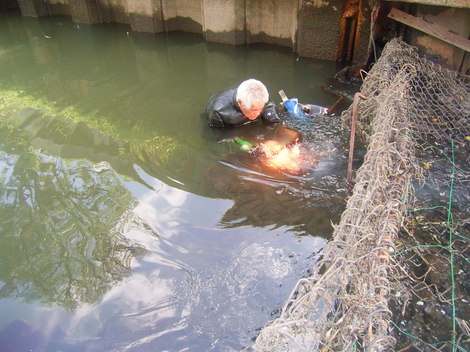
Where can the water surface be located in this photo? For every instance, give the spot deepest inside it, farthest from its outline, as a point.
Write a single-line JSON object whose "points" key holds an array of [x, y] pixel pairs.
{"points": [[127, 224]]}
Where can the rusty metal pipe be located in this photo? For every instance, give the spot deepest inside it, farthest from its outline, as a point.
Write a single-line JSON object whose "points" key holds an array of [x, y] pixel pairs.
{"points": [[352, 137]]}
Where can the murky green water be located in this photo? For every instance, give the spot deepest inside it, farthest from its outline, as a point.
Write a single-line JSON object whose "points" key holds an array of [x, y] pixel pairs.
{"points": [[126, 223]]}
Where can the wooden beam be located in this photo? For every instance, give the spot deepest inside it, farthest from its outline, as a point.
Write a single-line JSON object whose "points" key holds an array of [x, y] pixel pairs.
{"points": [[430, 28], [448, 3]]}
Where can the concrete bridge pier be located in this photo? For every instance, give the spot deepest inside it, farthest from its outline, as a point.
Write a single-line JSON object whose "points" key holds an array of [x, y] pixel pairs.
{"points": [[85, 11], [224, 21], [145, 16], [33, 8], [322, 29]]}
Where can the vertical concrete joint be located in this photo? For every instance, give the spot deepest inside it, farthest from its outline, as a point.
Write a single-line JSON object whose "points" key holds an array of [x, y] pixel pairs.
{"points": [[145, 16], [33, 8], [224, 21], [85, 11]]}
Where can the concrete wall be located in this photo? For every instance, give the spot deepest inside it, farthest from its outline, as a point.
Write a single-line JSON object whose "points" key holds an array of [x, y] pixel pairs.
{"points": [[8, 5], [145, 16], [309, 27], [271, 21], [319, 28], [182, 15], [224, 21]]}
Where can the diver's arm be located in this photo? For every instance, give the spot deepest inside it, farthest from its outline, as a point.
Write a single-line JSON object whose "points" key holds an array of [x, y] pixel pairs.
{"points": [[270, 112], [214, 119]]}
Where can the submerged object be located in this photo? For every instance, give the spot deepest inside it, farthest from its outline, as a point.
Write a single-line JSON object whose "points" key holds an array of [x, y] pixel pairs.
{"points": [[297, 109], [291, 105], [312, 110], [278, 156], [244, 145]]}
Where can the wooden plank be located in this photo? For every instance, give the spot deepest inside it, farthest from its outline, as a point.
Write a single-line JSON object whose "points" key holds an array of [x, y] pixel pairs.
{"points": [[430, 28], [448, 3]]}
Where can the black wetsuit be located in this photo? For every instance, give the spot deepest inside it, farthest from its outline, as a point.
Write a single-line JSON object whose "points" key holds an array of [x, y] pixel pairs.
{"points": [[222, 110]]}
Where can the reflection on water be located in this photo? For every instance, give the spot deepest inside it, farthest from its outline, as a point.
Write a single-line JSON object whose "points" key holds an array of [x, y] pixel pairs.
{"points": [[127, 224], [61, 239]]}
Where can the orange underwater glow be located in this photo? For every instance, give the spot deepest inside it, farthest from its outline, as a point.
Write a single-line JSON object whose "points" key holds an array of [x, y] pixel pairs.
{"points": [[281, 157]]}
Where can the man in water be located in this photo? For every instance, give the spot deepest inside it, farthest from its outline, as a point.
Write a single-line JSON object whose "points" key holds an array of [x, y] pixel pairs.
{"points": [[241, 105]]}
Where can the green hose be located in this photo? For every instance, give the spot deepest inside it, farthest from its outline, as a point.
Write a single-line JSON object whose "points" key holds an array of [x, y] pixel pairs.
{"points": [[244, 145]]}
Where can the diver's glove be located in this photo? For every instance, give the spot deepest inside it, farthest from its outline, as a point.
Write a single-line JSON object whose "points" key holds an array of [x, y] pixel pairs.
{"points": [[270, 114]]}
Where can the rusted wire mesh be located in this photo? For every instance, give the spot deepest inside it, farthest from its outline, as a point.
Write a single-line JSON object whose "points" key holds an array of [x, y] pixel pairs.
{"points": [[410, 104]]}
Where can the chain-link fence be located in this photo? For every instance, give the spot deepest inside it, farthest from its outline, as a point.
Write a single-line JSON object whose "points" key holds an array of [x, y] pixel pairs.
{"points": [[408, 214]]}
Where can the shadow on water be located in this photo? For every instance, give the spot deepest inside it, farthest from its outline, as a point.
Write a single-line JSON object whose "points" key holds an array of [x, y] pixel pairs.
{"points": [[128, 224]]}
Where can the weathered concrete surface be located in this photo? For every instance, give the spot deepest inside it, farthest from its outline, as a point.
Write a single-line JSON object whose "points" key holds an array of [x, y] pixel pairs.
{"points": [[84, 11], [182, 15], [361, 47], [145, 16], [318, 29], [271, 21], [8, 5], [224, 21], [112, 10], [33, 8], [324, 29], [59, 7], [39, 8], [309, 27]]}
